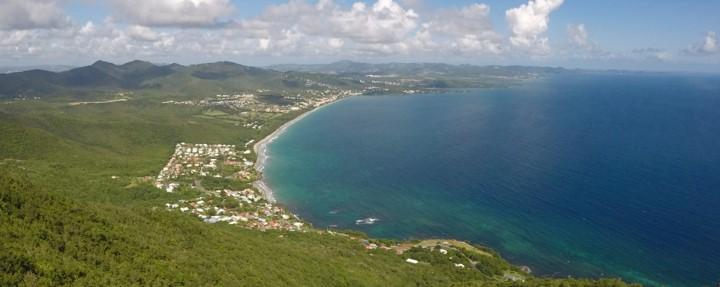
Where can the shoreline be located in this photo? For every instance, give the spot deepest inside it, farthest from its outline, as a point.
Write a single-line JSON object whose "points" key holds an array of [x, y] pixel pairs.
{"points": [[261, 150]]}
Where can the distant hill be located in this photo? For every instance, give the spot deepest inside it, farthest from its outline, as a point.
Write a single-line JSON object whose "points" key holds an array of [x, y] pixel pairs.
{"points": [[227, 77], [98, 75], [350, 67], [139, 75], [340, 67], [51, 68], [414, 76]]}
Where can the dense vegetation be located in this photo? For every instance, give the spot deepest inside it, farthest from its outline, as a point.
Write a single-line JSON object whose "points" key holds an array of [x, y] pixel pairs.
{"points": [[77, 209]]}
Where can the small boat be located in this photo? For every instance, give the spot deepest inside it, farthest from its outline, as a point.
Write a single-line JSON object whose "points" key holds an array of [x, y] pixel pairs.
{"points": [[368, 220]]}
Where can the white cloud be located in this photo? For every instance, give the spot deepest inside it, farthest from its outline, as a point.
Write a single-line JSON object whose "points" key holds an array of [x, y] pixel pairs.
{"points": [[652, 54], [581, 47], [142, 33], [336, 43], [529, 22], [178, 13], [297, 28], [471, 19], [13, 38], [87, 29], [323, 29], [302, 28], [708, 46], [468, 29], [383, 22], [31, 14], [383, 27], [578, 36], [87, 42]]}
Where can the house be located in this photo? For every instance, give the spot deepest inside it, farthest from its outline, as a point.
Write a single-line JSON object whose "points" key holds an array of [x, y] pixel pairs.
{"points": [[171, 187], [513, 277], [411, 261]]}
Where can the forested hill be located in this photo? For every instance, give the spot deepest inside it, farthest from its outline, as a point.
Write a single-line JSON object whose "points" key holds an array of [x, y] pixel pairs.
{"points": [[104, 76], [222, 77]]}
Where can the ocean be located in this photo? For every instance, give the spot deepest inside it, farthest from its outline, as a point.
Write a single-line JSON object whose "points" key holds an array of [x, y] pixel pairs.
{"points": [[576, 174]]}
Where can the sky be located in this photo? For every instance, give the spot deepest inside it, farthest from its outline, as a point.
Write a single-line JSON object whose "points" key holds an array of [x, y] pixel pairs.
{"points": [[657, 35]]}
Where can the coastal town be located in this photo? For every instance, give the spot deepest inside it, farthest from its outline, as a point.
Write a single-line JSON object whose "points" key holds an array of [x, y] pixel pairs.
{"points": [[226, 176], [221, 174], [263, 101]]}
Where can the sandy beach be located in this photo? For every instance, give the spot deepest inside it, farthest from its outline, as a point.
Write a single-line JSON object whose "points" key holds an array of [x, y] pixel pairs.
{"points": [[260, 149]]}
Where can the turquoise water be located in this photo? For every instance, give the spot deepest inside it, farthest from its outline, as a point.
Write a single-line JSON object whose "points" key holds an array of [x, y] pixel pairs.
{"points": [[582, 175]]}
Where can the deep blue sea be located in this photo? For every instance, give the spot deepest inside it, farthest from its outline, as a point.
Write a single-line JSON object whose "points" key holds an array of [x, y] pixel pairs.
{"points": [[588, 174]]}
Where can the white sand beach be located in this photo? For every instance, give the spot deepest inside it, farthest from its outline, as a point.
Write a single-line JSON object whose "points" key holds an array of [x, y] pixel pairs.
{"points": [[261, 151]]}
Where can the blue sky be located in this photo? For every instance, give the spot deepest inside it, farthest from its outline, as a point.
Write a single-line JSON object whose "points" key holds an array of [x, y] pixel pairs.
{"points": [[610, 34]]}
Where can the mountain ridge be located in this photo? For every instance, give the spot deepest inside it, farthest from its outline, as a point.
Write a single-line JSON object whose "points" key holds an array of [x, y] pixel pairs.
{"points": [[222, 76]]}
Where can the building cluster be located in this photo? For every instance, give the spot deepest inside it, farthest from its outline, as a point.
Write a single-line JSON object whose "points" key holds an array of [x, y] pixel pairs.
{"points": [[253, 125], [246, 208], [190, 103], [371, 245], [196, 160], [190, 163], [247, 102], [237, 101], [24, 98], [311, 99]]}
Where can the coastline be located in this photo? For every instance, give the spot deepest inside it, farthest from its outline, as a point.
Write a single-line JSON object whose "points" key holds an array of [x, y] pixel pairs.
{"points": [[261, 151]]}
